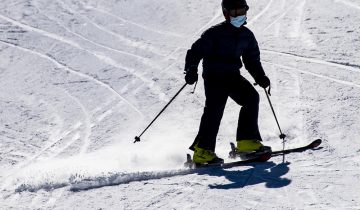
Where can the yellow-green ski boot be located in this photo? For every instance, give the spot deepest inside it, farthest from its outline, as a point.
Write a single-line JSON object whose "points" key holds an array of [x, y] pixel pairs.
{"points": [[251, 148], [203, 157]]}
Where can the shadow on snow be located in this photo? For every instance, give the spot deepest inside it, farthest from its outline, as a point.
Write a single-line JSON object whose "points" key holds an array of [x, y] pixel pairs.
{"points": [[268, 173]]}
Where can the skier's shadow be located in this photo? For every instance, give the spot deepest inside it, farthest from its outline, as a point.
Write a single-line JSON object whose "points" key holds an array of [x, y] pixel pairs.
{"points": [[268, 173]]}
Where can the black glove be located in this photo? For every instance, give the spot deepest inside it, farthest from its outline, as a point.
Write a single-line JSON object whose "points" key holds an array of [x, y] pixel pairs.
{"points": [[191, 76], [263, 81]]}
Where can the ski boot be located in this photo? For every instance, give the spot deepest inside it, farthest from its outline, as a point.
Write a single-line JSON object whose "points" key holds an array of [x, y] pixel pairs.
{"points": [[204, 157], [248, 149]]}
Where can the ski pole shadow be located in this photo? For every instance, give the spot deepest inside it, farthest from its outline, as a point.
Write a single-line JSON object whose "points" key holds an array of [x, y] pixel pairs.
{"points": [[268, 173]]}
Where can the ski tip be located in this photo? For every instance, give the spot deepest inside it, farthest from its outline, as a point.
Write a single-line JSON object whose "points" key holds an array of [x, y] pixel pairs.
{"points": [[316, 143]]}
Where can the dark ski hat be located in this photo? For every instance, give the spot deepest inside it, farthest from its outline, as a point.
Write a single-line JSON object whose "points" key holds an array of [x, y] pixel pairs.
{"points": [[228, 5]]}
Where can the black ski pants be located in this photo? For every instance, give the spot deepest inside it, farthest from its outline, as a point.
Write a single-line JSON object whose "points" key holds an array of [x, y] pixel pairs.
{"points": [[217, 91]]}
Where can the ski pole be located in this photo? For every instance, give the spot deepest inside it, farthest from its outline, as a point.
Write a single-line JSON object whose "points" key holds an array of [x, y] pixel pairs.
{"points": [[194, 88], [137, 138], [282, 135]]}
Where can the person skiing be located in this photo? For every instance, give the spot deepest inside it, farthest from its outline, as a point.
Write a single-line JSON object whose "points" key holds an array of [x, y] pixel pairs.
{"points": [[220, 47]]}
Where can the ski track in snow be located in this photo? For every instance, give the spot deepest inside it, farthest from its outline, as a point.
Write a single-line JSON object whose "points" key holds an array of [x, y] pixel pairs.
{"points": [[314, 74], [317, 61], [167, 33], [120, 37], [314, 60], [62, 66], [51, 144], [347, 3], [140, 58], [151, 84], [117, 179], [87, 133], [261, 13], [291, 7], [103, 58]]}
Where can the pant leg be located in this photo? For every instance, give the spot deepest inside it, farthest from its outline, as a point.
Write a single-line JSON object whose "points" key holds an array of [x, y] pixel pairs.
{"points": [[244, 94], [216, 97]]}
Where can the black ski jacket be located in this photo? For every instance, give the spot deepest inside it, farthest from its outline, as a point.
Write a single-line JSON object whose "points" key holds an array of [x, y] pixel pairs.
{"points": [[221, 47]]}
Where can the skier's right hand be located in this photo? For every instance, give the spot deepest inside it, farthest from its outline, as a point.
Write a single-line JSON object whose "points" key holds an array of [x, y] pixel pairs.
{"points": [[263, 81], [191, 76]]}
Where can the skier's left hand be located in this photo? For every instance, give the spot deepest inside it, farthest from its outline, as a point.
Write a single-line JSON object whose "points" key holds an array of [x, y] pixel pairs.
{"points": [[263, 81], [191, 75]]}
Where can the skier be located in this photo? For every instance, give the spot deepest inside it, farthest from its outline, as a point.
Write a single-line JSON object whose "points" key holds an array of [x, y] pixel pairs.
{"points": [[221, 47]]}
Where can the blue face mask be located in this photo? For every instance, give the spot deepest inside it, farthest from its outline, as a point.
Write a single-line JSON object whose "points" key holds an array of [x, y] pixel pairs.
{"points": [[238, 21]]}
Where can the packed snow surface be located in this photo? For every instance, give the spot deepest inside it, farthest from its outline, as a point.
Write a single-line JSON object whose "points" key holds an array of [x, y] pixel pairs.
{"points": [[80, 79]]}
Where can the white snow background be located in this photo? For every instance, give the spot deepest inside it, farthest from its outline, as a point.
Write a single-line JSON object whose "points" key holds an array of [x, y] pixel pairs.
{"points": [[80, 79]]}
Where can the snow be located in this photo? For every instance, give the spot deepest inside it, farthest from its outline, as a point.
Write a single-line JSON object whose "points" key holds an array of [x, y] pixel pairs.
{"points": [[80, 79]]}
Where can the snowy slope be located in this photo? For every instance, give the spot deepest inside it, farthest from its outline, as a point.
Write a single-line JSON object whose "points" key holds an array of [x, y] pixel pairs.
{"points": [[80, 79]]}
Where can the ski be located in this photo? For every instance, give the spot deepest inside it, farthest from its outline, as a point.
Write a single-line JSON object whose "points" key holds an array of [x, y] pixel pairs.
{"points": [[256, 157], [312, 146], [261, 158]]}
